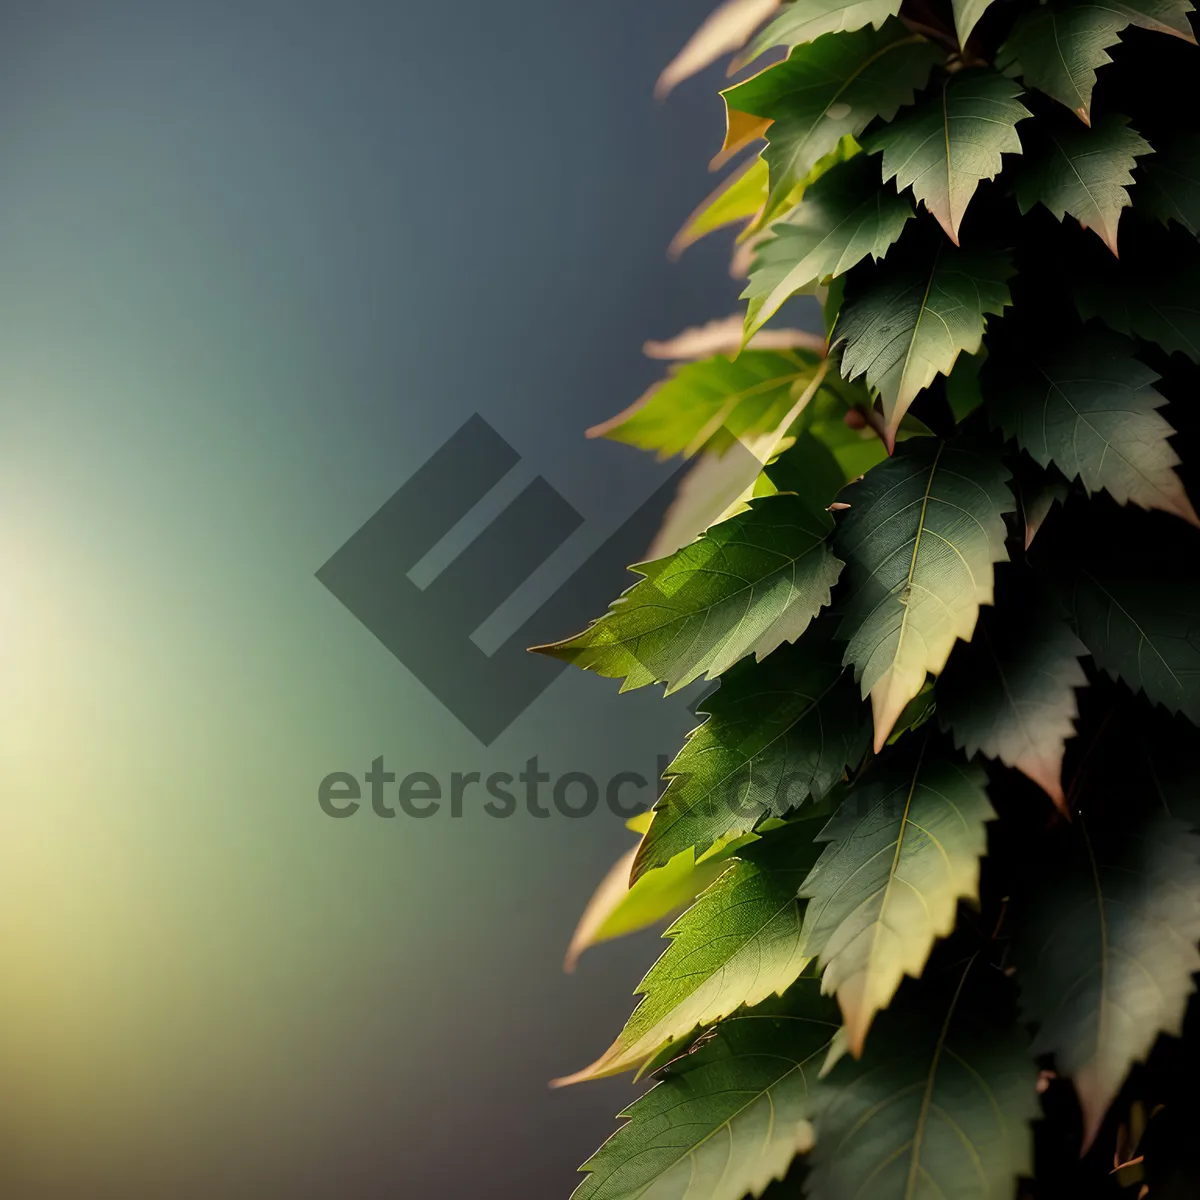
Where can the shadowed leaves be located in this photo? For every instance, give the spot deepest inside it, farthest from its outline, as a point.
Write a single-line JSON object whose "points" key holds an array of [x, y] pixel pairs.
{"points": [[1139, 615], [1170, 182], [1085, 172], [1107, 950], [940, 1104], [1089, 406], [1010, 692], [1058, 48]]}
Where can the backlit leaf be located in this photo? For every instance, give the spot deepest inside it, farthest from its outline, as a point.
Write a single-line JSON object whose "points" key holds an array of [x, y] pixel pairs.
{"points": [[951, 140], [746, 586], [738, 198], [920, 540], [727, 1118], [725, 30], [737, 945], [966, 17], [714, 402], [617, 908], [904, 848]]}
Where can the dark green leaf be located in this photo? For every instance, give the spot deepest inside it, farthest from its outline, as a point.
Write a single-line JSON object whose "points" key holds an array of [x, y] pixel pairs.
{"points": [[1169, 187], [1058, 48], [1010, 692], [1106, 951], [1153, 294], [1139, 615], [939, 1106], [1089, 406], [1085, 172]]}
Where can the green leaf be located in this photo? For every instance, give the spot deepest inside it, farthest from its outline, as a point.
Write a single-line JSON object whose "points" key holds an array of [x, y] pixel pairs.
{"points": [[1153, 294], [778, 733], [1169, 183], [907, 321], [737, 945], [746, 586], [966, 17], [921, 537], [1058, 49], [827, 90], [799, 24], [1010, 692], [618, 908], [729, 1117], [841, 219], [738, 198], [1139, 615], [939, 1106], [1089, 406], [951, 140], [1106, 951], [1085, 172], [714, 402], [904, 849]]}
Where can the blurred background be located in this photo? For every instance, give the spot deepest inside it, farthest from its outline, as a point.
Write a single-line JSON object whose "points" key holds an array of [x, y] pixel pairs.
{"points": [[258, 260]]}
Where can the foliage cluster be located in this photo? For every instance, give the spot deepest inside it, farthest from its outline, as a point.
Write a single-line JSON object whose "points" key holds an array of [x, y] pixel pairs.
{"points": [[937, 832]]}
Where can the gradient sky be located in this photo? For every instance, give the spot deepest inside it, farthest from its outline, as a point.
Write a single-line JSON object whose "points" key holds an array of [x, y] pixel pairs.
{"points": [[259, 260]]}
